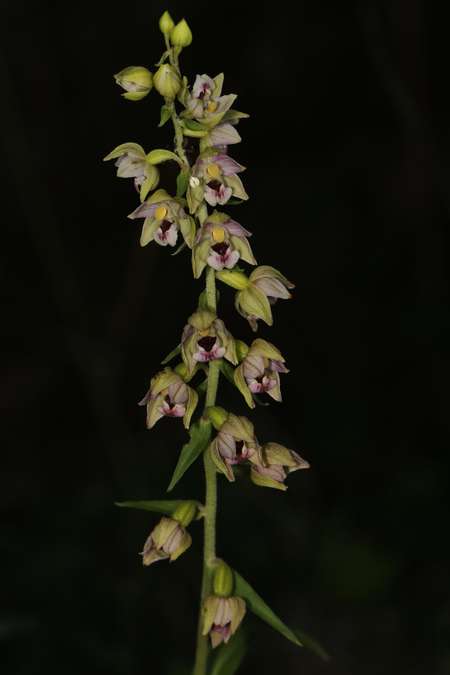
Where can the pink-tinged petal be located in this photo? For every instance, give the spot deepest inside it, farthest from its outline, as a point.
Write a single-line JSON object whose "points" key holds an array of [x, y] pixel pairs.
{"points": [[235, 229], [167, 237], [211, 196], [231, 259], [129, 167], [255, 387], [178, 392], [226, 446], [144, 210], [225, 102], [146, 398], [215, 261], [253, 367], [217, 352], [228, 165], [272, 288], [278, 366], [223, 135], [224, 195], [177, 410], [203, 85]]}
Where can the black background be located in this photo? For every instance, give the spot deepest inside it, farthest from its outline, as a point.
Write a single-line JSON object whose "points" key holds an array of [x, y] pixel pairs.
{"points": [[347, 150]]}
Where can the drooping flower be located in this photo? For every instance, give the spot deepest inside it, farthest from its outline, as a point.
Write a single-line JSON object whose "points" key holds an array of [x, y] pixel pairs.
{"points": [[222, 617], [169, 396], [169, 539], [266, 285], [277, 462], [220, 243], [164, 218], [235, 443], [214, 178], [204, 339], [136, 80], [131, 162], [259, 372]]}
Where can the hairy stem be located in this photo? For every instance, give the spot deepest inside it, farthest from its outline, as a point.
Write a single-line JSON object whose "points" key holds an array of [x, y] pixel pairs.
{"points": [[209, 548]]}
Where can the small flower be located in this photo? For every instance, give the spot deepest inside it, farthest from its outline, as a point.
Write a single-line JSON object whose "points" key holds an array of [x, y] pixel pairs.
{"points": [[218, 180], [220, 243], [169, 396], [132, 162], [205, 104], [167, 81], [204, 339], [164, 217], [259, 372], [169, 539], [235, 443], [277, 463], [222, 617], [136, 80], [266, 286]]}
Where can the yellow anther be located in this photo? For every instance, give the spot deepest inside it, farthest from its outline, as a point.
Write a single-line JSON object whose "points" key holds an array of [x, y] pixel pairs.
{"points": [[160, 213], [212, 106], [218, 234], [213, 170]]}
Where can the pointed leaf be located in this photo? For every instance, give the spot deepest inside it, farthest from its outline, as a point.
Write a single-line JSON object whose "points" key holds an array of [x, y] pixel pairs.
{"points": [[311, 643], [229, 656], [182, 182], [200, 434], [166, 506], [166, 114], [171, 355], [259, 607]]}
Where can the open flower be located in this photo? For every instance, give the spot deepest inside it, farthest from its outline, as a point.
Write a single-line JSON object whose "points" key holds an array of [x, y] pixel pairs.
{"points": [[164, 218], [205, 103], [214, 178], [169, 396], [235, 443], [259, 372], [220, 243], [266, 285], [169, 539], [131, 162], [204, 339], [277, 462], [222, 617]]}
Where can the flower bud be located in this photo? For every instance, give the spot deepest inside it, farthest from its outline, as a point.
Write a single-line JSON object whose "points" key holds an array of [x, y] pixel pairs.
{"points": [[137, 82], [182, 371], [185, 513], [233, 278], [181, 35], [223, 580], [241, 350], [166, 23], [217, 416], [167, 81]]}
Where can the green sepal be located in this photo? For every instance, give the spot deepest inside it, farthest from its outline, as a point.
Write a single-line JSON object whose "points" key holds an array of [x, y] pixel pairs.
{"points": [[166, 506], [228, 657], [193, 125], [161, 155], [171, 355], [257, 605], [200, 434], [227, 370], [166, 114], [182, 182]]}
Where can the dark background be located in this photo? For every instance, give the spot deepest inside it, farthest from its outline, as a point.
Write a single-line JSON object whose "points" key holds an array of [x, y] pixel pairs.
{"points": [[348, 156]]}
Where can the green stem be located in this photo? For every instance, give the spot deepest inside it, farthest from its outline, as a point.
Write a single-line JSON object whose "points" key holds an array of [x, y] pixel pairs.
{"points": [[210, 512]]}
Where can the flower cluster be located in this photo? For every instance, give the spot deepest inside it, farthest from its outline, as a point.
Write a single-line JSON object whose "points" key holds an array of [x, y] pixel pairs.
{"points": [[189, 215]]}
